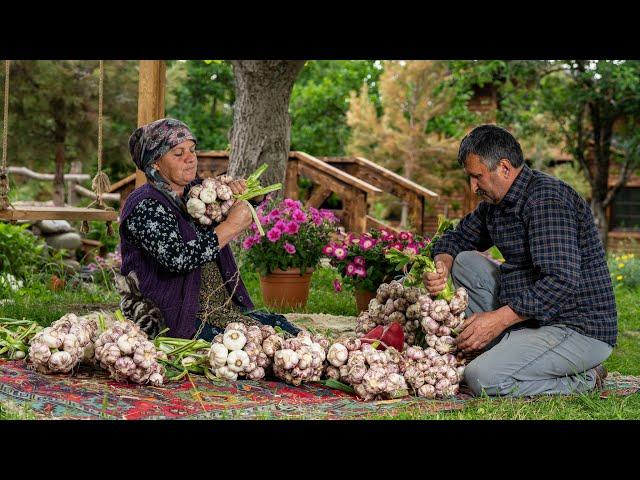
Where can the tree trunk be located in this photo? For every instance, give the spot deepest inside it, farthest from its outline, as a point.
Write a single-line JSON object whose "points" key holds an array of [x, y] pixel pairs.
{"points": [[261, 131], [602, 222]]}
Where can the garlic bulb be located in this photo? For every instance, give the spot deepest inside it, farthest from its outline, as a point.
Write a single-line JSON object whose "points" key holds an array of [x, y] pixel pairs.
{"points": [[196, 207], [234, 339], [337, 355], [208, 195], [237, 361]]}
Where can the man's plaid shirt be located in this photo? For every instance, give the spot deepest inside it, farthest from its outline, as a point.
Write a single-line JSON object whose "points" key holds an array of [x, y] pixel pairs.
{"points": [[555, 269]]}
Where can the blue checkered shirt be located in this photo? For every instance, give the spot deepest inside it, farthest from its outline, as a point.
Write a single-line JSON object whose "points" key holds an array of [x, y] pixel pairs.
{"points": [[555, 269]]}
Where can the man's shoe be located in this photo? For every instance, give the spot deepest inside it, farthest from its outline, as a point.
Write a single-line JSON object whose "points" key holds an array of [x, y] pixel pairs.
{"points": [[601, 374]]}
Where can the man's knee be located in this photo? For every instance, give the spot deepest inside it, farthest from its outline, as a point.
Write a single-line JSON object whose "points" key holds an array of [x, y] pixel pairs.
{"points": [[482, 377]]}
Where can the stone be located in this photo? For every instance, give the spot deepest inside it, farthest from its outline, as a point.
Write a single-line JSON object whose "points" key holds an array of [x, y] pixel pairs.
{"points": [[68, 241], [49, 227]]}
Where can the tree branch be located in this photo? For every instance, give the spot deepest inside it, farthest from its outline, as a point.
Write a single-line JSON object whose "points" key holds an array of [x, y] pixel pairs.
{"points": [[630, 164]]}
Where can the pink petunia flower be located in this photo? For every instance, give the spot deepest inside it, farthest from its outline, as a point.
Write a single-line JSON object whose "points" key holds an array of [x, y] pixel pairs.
{"points": [[290, 203], [274, 215], [405, 236], [280, 225], [359, 260], [351, 269], [289, 248], [411, 249], [396, 246], [274, 234], [360, 272], [367, 243], [327, 249], [337, 286], [340, 253]]}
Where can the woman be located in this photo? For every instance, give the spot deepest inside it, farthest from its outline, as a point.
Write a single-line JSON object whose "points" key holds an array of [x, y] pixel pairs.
{"points": [[175, 267]]}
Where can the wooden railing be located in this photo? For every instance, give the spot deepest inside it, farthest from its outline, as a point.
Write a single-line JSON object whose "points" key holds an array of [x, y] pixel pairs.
{"points": [[72, 179], [354, 179]]}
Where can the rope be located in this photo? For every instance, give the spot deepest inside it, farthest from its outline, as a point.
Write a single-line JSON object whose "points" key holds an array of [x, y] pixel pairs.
{"points": [[4, 180], [100, 183]]}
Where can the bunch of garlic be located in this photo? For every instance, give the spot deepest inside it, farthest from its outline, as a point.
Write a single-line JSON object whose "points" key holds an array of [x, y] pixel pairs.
{"points": [[62, 346], [301, 358], [239, 352], [441, 320], [124, 350], [374, 374], [430, 374], [211, 201], [393, 303]]}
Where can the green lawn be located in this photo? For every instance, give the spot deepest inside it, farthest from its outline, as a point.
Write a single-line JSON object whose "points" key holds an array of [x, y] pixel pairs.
{"points": [[41, 304]]}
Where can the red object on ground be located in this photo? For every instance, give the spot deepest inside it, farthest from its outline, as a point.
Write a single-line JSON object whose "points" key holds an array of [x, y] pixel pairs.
{"points": [[390, 336]]}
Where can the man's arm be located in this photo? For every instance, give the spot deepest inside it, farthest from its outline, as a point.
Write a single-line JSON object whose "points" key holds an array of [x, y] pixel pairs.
{"points": [[555, 254], [470, 234]]}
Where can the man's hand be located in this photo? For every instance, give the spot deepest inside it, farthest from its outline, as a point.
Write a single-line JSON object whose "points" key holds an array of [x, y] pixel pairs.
{"points": [[436, 281], [479, 329]]}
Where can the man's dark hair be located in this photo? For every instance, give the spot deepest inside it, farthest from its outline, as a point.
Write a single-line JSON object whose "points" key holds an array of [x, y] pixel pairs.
{"points": [[491, 143]]}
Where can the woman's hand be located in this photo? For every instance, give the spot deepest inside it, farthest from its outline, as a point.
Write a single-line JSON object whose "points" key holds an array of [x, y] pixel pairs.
{"points": [[238, 187], [238, 220]]}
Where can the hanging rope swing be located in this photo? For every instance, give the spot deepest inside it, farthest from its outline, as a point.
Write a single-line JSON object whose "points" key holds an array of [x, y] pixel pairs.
{"points": [[97, 210]]}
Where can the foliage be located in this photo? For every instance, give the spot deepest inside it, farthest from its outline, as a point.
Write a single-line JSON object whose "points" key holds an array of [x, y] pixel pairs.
{"points": [[360, 261], [21, 252], [104, 269], [320, 101], [201, 94], [570, 174], [98, 231], [408, 137], [625, 270], [294, 239], [54, 101]]}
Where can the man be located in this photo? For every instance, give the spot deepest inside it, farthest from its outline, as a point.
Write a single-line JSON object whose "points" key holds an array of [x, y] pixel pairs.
{"points": [[545, 319]]}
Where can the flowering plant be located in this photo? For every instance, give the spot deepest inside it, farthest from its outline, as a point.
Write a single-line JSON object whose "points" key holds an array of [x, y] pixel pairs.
{"points": [[294, 237], [361, 260]]}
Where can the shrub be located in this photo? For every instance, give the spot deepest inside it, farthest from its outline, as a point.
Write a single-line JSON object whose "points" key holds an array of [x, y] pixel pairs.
{"points": [[625, 270]]}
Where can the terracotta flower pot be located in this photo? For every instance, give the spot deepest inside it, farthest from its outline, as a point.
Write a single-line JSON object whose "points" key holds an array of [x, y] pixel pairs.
{"points": [[363, 297], [286, 288]]}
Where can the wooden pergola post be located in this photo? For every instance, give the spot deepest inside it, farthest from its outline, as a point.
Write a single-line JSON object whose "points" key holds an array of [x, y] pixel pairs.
{"points": [[151, 89]]}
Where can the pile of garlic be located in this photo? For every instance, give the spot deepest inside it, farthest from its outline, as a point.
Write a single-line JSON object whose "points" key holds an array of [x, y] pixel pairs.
{"points": [[62, 346], [441, 319], [239, 351], [301, 358], [430, 374], [124, 350], [211, 201], [393, 303], [374, 374]]}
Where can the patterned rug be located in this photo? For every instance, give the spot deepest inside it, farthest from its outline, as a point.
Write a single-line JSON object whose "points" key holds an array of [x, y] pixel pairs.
{"points": [[90, 394]]}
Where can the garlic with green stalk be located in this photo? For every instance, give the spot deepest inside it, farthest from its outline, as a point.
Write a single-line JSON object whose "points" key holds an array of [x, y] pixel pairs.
{"points": [[224, 192], [460, 301], [61, 361]]}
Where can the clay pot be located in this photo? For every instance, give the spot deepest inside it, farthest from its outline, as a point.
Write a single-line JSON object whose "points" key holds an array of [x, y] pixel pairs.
{"points": [[286, 288]]}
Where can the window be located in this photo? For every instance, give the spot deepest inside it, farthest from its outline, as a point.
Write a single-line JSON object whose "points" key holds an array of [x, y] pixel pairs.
{"points": [[625, 210]]}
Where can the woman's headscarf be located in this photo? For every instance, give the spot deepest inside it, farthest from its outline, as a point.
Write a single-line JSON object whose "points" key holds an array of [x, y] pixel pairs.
{"points": [[150, 142]]}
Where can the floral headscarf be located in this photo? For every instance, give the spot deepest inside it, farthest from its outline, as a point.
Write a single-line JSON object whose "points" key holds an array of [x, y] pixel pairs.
{"points": [[150, 142]]}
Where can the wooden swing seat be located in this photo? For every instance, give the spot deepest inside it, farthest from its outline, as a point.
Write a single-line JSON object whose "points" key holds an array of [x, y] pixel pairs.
{"points": [[58, 213]]}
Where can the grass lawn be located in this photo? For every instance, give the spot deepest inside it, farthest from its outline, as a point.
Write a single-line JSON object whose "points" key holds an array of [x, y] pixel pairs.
{"points": [[45, 306]]}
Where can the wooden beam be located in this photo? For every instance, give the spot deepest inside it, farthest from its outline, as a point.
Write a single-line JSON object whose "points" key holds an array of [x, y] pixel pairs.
{"points": [[323, 178], [416, 212], [389, 175], [68, 177], [57, 213], [151, 89], [375, 223], [291, 180], [319, 195], [306, 159], [358, 212]]}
